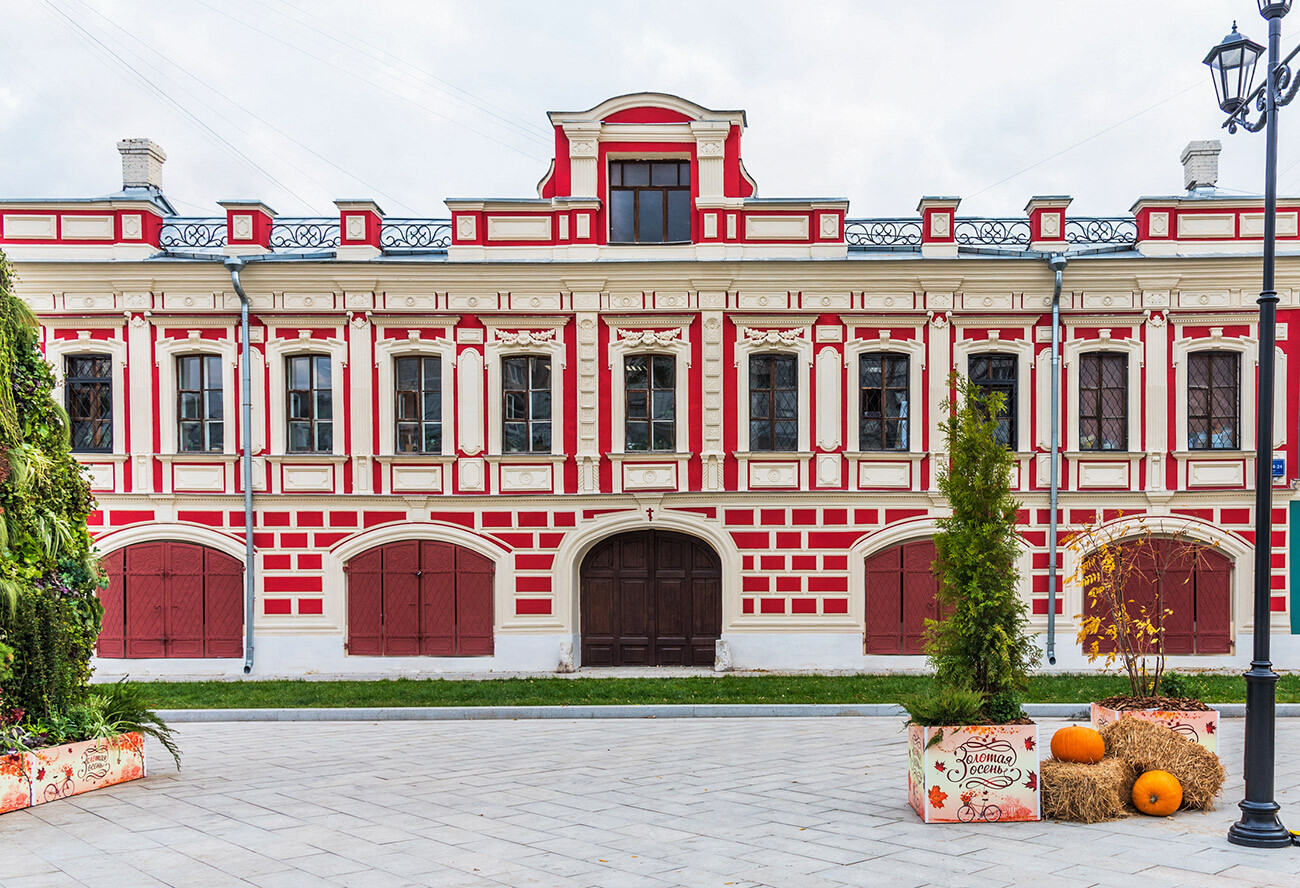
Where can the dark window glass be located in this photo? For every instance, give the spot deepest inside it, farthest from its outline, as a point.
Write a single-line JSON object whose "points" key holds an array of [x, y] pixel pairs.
{"points": [[651, 388], [310, 404], [882, 380], [89, 401], [419, 405], [1103, 401], [526, 404], [773, 403], [1214, 401], [649, 201], [997, 373], [199, 409]]}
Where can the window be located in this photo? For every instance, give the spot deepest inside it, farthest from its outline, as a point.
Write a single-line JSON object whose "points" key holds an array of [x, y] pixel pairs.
{"points": [[883, 382], [89, 402], [526, 404], [419, 405], [198, 403], [1213, 400], [773, 403], [651, 390], [997, 373], [649, 201], [311, 404], [1103, 401]]}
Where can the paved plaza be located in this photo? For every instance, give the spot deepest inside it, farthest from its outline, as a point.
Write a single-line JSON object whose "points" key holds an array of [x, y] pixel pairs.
{"points": [[781, 802]]}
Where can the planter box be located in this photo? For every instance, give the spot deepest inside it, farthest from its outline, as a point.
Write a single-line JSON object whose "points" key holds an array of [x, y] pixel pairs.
{"points": [[973, 773], [57, 772], [1199, 726]]}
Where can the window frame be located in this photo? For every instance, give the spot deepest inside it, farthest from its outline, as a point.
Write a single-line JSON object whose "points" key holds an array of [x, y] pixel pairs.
{"points": [[772, 391], [108, 423], [755, 340], [387, 351], [649, 390], [207, 361], [529, 390], [628, 338], [638, 191], [1211, 356], [57, 349], [336, 422], [1013, 397], [914, 350], [886, 358], [1100, 356], [277, 350], [421, 392], [1072, 349], [524, 336]]}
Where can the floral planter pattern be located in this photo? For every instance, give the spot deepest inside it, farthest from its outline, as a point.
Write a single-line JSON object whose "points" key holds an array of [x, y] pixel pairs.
{"points": [[973, 773], [1199, 726], [57, 772]]}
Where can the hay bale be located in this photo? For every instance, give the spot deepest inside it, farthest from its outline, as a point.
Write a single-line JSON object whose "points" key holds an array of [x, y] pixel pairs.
{"points": [[1147, 746], [1086, 793]]}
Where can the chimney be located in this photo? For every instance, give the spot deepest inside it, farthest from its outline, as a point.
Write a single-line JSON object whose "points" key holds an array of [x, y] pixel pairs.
{"points": [[142, 161], [1201, 164]]}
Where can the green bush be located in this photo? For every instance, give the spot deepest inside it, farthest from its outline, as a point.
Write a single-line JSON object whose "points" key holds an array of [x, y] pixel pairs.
{"points": [[946, 706]]}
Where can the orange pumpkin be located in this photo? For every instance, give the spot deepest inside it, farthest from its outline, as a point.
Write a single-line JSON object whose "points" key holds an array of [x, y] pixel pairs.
{"points": [[1157, 793], [1078, 744]]}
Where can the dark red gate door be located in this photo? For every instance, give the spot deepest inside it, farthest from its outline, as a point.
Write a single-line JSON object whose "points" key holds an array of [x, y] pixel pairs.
{"points": [[172, 600], [902, 593], [420, 597], [650, 598]]}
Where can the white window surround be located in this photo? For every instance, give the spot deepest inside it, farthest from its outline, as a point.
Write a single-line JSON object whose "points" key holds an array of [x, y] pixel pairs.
{"points": [[671, 342], [914, 349], [1023, 349], [277, 351], [525, 336], [387, 351], [1071, 351], [1248, 348], [795, 341], [56, 350], [166, 351]]}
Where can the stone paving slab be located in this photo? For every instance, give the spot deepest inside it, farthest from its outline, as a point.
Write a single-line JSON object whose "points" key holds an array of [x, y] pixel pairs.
{"points": [[751, 803]]}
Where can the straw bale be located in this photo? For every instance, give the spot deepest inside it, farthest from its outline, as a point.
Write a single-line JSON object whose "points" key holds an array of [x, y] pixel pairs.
{"points": [[1147, 746], [1086, 793]]}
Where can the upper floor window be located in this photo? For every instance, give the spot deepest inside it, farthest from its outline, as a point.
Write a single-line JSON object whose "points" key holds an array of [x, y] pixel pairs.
{"points": [[773, 403], [883, 384], [199, 408], [419, 404], [1213, 400], [649, 201], [310, 404], [89, 402], [997, 373], [1103, 401], [651, 392], [526, 404]]}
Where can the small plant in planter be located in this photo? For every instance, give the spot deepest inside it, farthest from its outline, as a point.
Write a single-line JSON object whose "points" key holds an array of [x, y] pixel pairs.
{"points": [[972, 753], [1126, 583]]}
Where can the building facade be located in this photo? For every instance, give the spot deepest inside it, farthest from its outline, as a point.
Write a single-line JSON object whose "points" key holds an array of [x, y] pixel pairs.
{"points": [[640, 414]]}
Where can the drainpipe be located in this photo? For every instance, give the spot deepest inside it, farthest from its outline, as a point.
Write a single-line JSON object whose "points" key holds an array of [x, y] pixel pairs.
{"points": [[1057, 263], [234, 265]]}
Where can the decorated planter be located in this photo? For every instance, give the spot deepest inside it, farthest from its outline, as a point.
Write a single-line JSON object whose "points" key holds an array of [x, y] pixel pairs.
{"points": [[57, 772], [1197, 725], [973, 773]]}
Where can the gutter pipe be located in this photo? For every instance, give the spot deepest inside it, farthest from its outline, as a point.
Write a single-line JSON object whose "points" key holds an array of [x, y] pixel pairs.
{"points": [[234, 265], [1057, 263]]}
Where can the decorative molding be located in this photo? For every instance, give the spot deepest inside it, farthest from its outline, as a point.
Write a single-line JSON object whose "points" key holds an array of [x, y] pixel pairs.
{"points": [[523, 337]]}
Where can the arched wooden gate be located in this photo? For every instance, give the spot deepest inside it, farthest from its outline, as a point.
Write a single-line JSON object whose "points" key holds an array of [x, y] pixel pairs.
{"points": [[902, 593], [172, 599]]}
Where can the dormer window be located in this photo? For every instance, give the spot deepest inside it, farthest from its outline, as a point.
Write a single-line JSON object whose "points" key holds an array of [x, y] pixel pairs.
{"points": [[649, 201]]}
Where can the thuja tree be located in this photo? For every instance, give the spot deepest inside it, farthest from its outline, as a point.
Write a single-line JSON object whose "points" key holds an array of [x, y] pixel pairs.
{"points": [[981, 644], [49, 612]]}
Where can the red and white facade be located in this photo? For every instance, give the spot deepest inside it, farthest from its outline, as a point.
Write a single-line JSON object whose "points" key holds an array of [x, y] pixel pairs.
{"points": [[474, 558]]}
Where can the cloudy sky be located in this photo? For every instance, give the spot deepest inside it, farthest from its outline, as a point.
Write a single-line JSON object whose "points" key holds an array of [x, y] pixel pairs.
{"points": [[297, 102]]}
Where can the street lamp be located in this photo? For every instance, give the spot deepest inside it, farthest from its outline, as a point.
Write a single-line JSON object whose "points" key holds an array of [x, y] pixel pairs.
{"points": [[1232, 65]]}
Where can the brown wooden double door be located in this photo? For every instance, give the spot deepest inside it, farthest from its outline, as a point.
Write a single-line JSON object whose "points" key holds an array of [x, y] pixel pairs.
{"points": [[1194, 584], [651, 598], [172, 600], [420, 598], [902, 593]]}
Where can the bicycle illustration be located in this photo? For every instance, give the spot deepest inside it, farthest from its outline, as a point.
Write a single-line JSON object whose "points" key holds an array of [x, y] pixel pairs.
{"points": [[60, 789], [968, 813]]}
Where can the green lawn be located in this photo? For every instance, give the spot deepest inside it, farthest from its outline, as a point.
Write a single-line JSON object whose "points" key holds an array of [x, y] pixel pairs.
{"points": [[606, 691]]}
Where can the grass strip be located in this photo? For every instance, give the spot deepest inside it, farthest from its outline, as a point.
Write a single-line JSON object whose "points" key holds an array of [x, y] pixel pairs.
{"points": [[250, 694]]}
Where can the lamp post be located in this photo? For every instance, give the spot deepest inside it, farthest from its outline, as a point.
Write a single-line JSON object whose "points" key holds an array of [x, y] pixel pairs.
{"points": [[1232, 65]]}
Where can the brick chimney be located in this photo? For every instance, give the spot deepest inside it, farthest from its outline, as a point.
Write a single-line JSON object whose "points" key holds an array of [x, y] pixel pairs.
{"points": [[142, 162], [1201, 164]]}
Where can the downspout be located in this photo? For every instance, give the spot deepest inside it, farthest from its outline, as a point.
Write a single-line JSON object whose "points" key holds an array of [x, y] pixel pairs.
{"points": [[234, 264], [1057, 263]]}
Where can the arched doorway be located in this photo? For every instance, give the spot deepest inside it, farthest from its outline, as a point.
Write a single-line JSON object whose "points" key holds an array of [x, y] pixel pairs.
{"points": [[902, 593], [420, 598], [1192, 583], [650, 598], [170, 599]]}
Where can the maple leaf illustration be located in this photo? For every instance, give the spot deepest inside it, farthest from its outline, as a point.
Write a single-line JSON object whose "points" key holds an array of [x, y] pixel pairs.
{"points": [[1029, 743], [937, 797], [940, 767], [1032, 782], [40, 774], [1209, 728]]}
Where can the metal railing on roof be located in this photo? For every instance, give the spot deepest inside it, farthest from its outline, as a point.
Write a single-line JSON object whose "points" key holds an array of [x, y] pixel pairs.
{"points": [[903, 234], [396, 236]]}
